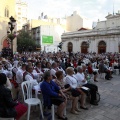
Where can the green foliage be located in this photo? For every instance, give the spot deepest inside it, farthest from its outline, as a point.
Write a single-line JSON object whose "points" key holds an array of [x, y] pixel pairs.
{"points": [[25, 40], [11, 36]]}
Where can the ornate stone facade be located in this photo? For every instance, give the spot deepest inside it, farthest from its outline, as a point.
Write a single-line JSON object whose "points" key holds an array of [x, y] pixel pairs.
{"points": [[105, 37], [7, 9]]}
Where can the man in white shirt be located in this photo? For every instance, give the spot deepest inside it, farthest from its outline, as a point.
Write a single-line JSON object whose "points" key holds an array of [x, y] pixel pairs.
{"points": [[30, 76], [60, 67], [82, 82], [55, 68], [37, 69], [19, 74]]}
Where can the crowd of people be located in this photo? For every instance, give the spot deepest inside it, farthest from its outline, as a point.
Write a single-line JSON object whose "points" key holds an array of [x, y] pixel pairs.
{"points": [[64, 76]]}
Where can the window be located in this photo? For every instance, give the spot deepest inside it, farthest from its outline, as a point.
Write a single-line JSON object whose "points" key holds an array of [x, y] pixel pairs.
{"points": [[19, 13], [6, 12], [19, 9]]}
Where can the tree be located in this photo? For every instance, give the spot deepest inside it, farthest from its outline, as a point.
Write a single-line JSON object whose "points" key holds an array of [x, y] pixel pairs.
{"points": [[25, 42]]}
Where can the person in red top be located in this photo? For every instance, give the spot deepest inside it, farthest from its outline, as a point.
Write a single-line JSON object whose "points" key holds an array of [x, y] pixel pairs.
{"points": [[74, 63], [90, 71], [111, 62]]}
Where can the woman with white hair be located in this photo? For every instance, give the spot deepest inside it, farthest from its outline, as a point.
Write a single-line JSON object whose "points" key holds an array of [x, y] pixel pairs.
{"points": [[76, 91]]}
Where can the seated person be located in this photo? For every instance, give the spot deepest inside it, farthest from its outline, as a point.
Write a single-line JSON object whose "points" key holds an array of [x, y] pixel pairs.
{"points": [[107, 71], [59, 81], [38, 69], [91, 71], [8, 107], [72, 81], [52, 94], [82, 82], [28, 75]]}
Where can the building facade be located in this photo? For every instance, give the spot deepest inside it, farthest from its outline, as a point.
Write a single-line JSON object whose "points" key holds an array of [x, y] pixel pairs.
{"points": [[48, 27], [75, 22], [21, 13], [105, 37], [7, 9], [48, 30]]}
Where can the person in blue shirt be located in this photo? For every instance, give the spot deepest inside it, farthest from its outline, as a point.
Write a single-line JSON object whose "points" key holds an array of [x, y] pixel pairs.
{"points": [[52, 94]]}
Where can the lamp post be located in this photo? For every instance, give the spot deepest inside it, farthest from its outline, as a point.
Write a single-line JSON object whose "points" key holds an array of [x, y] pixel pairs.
{"points": [[89, 41], [10, 32]]}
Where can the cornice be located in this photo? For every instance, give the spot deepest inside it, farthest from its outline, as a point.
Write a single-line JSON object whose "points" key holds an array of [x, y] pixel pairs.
{"points": [[91, 33]]}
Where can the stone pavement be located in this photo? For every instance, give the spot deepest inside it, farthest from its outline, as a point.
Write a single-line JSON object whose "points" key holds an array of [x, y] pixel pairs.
{"points": [[108, 108]]}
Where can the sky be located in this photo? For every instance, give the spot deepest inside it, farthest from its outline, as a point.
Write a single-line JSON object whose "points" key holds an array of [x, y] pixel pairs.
{"points": [[91, 9]]}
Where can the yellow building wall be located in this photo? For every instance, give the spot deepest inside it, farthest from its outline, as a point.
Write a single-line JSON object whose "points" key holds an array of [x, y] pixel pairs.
{"points": [[36, 23], [10, 5]]}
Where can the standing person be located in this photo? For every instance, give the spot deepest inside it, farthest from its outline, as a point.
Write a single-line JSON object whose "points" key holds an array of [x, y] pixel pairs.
{"points": [[8, 107], [52, 94]]}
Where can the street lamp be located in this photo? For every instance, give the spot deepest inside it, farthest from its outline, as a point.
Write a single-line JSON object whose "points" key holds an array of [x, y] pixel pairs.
{"points": [[10, 33], [89, 41]]}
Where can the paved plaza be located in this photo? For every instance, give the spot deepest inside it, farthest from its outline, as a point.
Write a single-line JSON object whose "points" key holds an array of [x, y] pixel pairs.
{"points": [[108, 108]]}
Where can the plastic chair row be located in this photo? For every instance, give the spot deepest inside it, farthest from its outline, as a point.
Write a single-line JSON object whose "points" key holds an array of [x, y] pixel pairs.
{"points": [[28, 98]]}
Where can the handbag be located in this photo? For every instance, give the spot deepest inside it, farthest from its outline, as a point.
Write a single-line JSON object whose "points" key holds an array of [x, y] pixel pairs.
{"points": [[75, 92]]}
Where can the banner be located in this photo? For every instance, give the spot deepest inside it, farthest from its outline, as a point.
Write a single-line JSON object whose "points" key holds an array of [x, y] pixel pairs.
{"points": [[47, 40]]}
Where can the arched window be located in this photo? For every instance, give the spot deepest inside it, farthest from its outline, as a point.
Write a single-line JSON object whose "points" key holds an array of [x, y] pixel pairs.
{"points": [[102, 43], [6, 12], [84, 47], [101, 47], [85, 44]]}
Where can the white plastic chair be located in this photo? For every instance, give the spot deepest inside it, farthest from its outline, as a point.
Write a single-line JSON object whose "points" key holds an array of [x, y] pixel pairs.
{"points": [[28, 99], [53, 112], [37, 89], [102, 74], [116, 71]]}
